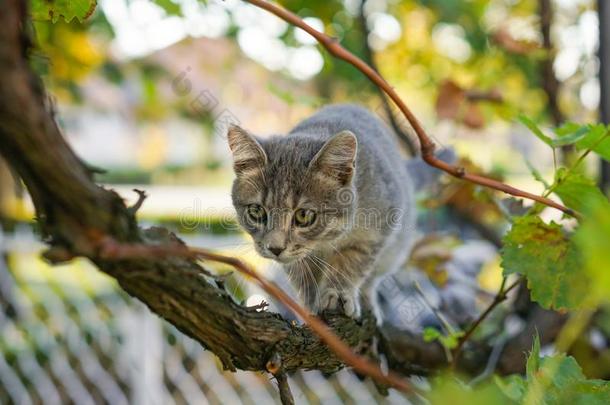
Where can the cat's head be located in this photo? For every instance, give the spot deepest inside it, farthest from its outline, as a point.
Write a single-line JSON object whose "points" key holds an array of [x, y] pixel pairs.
{"points": [[293, 194]]}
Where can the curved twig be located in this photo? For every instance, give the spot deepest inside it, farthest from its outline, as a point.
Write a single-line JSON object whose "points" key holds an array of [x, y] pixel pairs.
{"points": [[427, 147], [499, 298]]}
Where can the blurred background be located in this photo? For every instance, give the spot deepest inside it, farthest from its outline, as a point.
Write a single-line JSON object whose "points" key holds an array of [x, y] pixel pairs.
{"points": [[145, 89]]}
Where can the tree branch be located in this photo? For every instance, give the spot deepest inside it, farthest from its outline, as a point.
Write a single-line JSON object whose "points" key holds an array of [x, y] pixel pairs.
{"points": [[426, 145], [110, 250]]}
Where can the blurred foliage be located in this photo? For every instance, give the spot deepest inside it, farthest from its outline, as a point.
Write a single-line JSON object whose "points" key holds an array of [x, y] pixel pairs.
{"points": [[592, 238], [449, 341], [449, 389], [494, 61], [549, 380], [67, 9], [556, 379]]}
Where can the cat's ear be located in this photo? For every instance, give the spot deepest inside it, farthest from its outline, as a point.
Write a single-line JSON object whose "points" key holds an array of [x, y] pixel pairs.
{"points": [[248, 154], [337, 158]]}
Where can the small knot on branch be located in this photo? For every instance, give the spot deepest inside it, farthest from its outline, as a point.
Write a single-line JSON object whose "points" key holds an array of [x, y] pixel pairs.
{"points": [[274, 364], [460, 171], [427, 149]]}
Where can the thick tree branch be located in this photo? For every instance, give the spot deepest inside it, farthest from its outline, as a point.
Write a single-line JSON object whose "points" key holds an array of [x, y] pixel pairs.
{"points": [[426, 145], [110, 250]]}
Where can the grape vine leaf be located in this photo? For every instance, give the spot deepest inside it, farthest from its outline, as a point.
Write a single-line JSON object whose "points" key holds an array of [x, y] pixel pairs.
{"points": [[592, 238], [531, 125], [450, 341], [577, 191], [447, 389], [53, 10], [591, 136], [570, 139], [549, 260], [554, 380]]}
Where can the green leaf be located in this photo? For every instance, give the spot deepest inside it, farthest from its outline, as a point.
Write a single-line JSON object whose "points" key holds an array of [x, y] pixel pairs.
{"points": [[449, 341], [549, 260], [571, 138], [533, 360], [568, 128], [535, 130], [447, 389], [53, 10], [577, 191], [431, 334], [598, 140], [554, 380], [559, 380], [592, 239], [513, 386], [594, 137], [536, 174]]}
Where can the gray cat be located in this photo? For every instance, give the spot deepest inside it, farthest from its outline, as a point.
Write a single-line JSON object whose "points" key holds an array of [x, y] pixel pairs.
{"points": [[331, 201]]}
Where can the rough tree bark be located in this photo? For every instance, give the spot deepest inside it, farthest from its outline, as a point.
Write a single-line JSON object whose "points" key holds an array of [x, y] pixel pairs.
{"points": [[75, 214]]}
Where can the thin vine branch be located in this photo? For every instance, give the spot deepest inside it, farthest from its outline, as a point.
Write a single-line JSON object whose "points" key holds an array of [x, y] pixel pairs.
{"points": [[499, 298], [427, 146]]}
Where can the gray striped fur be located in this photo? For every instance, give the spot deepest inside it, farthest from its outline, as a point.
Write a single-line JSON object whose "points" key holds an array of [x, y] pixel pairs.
{"points": [[344, 164]]}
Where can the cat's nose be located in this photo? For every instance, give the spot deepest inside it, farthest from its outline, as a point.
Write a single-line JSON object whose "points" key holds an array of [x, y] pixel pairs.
{"points": [[276, 250]]}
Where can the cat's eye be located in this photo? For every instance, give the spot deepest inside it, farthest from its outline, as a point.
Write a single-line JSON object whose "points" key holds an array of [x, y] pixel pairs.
{"points": [[304, 217], [256, 213]]}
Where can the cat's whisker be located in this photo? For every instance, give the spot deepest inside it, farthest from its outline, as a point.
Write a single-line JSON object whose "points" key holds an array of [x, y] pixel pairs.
{"points": [[305, 274], [336, 250], [327, 274], [325, 269], [335, 278], [300, 281], [335, 273], [313, 279]]}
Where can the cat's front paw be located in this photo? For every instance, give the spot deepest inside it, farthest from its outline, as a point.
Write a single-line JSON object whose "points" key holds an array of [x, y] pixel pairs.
{"points": [[332, 299]]}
